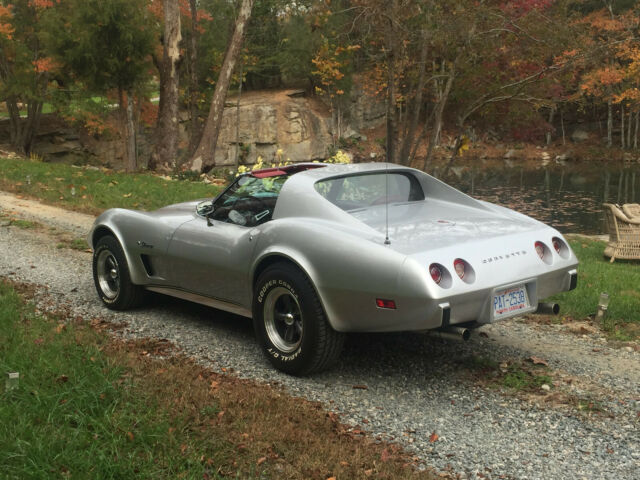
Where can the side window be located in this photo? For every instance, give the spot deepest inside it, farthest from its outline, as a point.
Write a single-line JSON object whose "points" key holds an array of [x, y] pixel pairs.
{"points": [[250, 201]]}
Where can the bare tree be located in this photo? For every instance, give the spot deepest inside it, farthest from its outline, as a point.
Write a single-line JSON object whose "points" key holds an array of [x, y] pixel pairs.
{"points": [[204, 157]]}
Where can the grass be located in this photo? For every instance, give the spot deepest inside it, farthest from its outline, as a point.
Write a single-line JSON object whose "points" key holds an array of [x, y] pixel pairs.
{"points": [[621, 280], [90, 406], [93, 191]]}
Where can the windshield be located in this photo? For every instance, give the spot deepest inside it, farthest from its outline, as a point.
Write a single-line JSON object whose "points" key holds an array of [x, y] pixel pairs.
{"points": [[365, 190], [249, 201]]}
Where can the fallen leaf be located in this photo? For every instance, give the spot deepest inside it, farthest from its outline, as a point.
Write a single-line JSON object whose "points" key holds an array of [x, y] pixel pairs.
{"points": [[344, 464], [261, 460], [331, 478], [130, 435], [126, 195], [368, 472], [384, 456], [60, 327], [538, 361], [360, 387], [183, 448], [38, 341], [62, 379], [433, 438]]}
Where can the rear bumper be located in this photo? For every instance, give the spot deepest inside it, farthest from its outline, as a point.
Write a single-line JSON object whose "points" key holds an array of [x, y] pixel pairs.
{"points": [[477, 307]]}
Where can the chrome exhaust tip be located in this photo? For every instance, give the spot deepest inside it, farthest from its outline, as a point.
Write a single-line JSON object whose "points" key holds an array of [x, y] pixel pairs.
{"points": [[548, 308], [452, 333]]}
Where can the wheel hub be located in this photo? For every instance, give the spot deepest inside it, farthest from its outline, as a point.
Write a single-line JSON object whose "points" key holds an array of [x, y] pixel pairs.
{"points": [[283, 319]]}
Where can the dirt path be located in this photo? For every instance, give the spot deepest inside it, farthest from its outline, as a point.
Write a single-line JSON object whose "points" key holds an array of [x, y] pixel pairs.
{"points": [[407, 387]]}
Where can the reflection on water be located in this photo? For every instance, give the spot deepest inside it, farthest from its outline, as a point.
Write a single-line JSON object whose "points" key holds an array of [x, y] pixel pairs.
{"points": [[567, 197]]}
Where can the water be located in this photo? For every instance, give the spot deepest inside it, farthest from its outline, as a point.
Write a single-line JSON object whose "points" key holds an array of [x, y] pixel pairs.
{"points": [[568, 197]]}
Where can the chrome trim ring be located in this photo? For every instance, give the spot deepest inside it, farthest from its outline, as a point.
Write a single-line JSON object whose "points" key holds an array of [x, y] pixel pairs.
{"points": [[283, 320], [108, 273]]}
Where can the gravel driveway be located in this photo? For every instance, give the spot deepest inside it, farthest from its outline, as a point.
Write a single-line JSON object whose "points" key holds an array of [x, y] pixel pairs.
{"points": [[408, 386]]}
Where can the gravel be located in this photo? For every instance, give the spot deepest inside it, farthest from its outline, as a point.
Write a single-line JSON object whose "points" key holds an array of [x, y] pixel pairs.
{"points": [[408, 386]]}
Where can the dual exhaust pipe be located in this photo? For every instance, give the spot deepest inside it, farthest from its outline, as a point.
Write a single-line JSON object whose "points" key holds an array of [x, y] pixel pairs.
{"points": [[463, 334]]}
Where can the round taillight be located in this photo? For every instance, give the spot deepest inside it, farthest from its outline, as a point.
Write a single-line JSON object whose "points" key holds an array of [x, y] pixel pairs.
{"points": [[540, 249], [436, 273], [459, 267], [557, 244]]}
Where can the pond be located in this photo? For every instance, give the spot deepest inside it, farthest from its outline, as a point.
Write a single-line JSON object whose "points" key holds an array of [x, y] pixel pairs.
{"points": [[568, 197]]}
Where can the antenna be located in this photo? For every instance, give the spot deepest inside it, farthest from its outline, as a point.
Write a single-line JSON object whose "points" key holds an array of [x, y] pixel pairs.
{"points": [[386, 203]]}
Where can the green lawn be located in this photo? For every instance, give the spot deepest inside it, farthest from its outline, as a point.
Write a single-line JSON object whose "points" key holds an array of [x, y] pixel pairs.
{"points": [[76, 413], [621, 280], [88, 406], [93, 191]]}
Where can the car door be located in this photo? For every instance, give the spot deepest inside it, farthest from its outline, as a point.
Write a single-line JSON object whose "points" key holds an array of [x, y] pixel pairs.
{"points": [[212, 254], [213, 258]]}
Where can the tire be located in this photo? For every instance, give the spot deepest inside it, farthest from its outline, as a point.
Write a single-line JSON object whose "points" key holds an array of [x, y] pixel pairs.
{"points": [[290, 323], [111, 276]]}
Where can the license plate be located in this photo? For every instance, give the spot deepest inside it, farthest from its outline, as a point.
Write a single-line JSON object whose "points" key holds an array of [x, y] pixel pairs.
{"points": [[510, 301]]}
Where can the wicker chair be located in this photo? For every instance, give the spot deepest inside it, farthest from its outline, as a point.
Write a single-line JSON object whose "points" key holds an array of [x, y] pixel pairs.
{"points": [[624, 234], [631, 210]]}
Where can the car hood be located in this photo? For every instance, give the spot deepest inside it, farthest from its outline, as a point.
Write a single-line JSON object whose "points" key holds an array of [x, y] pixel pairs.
{"points": [[431, 224], [184, 208]]}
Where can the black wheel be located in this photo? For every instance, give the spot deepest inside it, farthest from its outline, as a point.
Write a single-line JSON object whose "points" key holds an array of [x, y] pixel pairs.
{"points": [[290, 323], [111, 276]]}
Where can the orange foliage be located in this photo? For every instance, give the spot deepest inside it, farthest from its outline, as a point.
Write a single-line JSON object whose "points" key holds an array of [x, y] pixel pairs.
{"points": [[148, 113], [6, 29], [45, 64], [42, 4]]}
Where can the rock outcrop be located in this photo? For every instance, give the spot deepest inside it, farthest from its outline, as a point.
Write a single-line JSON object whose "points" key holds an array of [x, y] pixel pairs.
{"points": [[270, 122]]}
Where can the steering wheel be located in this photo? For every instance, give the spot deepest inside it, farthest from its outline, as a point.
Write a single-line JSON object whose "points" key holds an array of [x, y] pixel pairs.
{"points": [[262, 206]]}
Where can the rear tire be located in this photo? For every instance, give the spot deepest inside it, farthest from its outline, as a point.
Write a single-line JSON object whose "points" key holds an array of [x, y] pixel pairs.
{"points": [[112, 278], [290, 323]]}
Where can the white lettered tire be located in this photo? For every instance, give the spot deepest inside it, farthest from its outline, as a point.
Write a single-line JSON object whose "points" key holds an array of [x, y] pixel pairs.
{"points": [[111, 276], [290, 323]]}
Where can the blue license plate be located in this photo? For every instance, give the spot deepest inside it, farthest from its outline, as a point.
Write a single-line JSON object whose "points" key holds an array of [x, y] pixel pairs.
{"points": [[510, 301]]}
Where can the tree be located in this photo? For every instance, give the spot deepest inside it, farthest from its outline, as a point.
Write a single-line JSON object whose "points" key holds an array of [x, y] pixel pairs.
{"points": [[166, 149], [204, 157], [105, 46], [25, 69]]}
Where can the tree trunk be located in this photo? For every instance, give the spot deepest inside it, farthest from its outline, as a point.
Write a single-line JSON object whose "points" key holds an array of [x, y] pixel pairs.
{"points": [[609, 124], [167, 139], [193, 79], [630, 122], [204, 156], [437, 123], [622, 125], [410, 133], [126, 113], [548, 134], [635, 138], [237, 155], [391, 90]]}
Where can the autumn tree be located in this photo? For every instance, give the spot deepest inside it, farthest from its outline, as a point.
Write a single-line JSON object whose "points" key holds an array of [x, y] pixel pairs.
{"points": [[107, 46], [25, 68]]}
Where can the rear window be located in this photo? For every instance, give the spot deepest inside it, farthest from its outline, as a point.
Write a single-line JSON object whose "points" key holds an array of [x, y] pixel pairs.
{"points": [[361, 191]]}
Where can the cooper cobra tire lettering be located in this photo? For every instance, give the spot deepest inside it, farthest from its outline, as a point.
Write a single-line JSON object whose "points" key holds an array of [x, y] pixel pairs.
{"points": [[318, 346]]}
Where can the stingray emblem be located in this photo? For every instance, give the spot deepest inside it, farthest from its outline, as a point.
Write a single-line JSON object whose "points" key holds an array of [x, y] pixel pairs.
{"points": [[142, 244], [506, 256]]}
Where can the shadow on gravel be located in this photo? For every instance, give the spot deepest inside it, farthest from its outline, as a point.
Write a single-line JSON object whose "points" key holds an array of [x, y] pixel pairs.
{"points": [[409, 354]]}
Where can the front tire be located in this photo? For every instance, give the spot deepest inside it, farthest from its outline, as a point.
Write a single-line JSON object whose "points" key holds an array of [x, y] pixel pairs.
{"points": [[112, 278], [290, 323]]}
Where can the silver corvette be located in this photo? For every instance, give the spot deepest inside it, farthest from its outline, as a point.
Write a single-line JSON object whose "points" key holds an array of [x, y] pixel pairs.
{"points": [[313, 251]]}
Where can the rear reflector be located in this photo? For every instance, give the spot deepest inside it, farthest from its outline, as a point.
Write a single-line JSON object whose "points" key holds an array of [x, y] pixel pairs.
{"points": [[539, 246], [388, 304]]}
